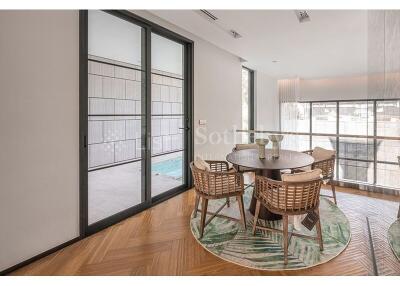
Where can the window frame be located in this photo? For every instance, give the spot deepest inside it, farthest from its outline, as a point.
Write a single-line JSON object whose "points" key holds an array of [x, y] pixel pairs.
{"points": [[338, 136]]}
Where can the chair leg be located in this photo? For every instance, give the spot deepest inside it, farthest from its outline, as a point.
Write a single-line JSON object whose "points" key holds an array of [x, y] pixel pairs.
{"points": [[398, 213], [333, 192], [285, 239], [204, 204], [228, 204], [196, 205], [256, 213], [241, 208], [319, 232]]}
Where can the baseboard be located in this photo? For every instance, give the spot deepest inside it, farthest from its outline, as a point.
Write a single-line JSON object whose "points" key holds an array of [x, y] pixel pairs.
{"points": [[39, 256], [367, 187]]}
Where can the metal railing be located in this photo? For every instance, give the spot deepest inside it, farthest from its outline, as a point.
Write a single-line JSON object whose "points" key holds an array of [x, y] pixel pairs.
{"points": [[322, 134], [337, 136]]}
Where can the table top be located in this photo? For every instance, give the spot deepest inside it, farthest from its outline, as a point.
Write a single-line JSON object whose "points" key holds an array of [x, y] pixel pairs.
{"points": [[287, 160]]}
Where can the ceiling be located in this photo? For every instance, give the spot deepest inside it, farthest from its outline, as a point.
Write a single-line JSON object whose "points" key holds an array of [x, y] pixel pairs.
{"points": [[332, 44]]}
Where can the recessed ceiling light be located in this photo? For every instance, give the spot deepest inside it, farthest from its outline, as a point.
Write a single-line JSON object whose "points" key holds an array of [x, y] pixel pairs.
{"points": [[302, 16]]}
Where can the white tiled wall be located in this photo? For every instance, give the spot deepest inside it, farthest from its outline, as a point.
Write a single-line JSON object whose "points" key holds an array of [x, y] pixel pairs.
{"points": [[115, 90], [166, 109]]}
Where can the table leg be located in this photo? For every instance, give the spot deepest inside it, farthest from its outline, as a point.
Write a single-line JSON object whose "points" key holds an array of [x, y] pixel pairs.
{"points": [[264, 213]]}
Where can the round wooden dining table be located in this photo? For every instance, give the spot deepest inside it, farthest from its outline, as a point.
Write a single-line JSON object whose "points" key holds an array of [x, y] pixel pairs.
{"points": [[268, 167]]}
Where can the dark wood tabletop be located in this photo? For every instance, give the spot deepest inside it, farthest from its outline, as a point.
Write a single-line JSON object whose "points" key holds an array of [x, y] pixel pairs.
{"points": [[270, 168], [287, 160]]}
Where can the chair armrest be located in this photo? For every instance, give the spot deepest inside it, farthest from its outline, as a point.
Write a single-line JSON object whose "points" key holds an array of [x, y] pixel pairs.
{"points": [[327, 167], [214, 183], [218, 166]]}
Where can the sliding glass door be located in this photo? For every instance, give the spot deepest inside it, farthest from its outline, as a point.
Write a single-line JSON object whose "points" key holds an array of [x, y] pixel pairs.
{"points": [[167, 114], [114, 115], [136, 127]]}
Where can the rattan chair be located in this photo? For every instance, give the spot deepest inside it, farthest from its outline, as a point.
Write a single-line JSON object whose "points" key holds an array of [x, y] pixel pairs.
{"points": [[239, 147], [242, 169], [288, 198], [218, 183], [327, 167]]}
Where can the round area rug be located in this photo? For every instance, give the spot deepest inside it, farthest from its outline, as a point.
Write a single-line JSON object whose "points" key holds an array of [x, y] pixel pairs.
{"points": [[227, 238], [394, 238]]}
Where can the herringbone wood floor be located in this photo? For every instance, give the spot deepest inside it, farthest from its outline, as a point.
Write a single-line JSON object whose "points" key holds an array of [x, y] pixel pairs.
{"points": [[159, 242]]}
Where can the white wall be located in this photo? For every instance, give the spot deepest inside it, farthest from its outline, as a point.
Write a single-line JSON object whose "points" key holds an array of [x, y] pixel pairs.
{"points": [[217, 93], [340, 88], [266, 102], [39, 174]]}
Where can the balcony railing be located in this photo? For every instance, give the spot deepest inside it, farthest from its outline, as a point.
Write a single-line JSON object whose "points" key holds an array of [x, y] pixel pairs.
{"points": [[357, 161]]}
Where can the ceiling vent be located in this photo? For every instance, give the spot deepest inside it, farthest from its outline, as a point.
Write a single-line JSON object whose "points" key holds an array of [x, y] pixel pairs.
{"points": [[218, 23], [209, 15], [302, 16], [235, 34]]}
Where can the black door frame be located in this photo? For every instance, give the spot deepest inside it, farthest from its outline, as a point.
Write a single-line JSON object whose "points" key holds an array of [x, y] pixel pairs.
{"points": [[147, 28]]}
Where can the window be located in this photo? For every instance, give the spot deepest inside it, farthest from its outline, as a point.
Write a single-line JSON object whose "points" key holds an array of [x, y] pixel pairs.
{"points": [[324, 121], [372, 161], [324, 117], [247, 104], [388, 124], [295, 117]]}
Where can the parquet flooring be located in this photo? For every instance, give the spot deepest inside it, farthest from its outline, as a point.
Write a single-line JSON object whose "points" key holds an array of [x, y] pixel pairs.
{"points": [[158, 241]]}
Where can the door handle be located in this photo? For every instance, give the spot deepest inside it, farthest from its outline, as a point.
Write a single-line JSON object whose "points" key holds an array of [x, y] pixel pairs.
{"points": [[184, 128]]}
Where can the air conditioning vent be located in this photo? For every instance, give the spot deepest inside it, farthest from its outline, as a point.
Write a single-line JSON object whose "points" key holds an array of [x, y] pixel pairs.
{"points": [[209, 15], [302, 16]]}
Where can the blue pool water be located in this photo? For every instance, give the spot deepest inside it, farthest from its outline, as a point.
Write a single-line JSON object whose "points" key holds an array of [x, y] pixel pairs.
{"points": [[171, 168]]}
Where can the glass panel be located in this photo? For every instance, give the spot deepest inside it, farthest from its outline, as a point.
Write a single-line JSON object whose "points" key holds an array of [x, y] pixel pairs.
{"points": [[167, 114], [166, 172], [112, 38], [388, 124], [166, 55], [296, 142], [388, 175], [324, 142], [356, 148], [324, 117], [295, 117], [356, 118], [356, 171], [388, 118], [245, 104], [388, 150], [114, 116]]}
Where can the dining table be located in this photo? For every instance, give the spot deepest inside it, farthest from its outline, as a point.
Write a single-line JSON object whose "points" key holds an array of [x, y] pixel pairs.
{"points": [[269, 167]]}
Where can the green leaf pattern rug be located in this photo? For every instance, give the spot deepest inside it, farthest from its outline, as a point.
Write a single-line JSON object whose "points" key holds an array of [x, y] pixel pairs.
{"points": [[227, 239], [394, 238]]}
